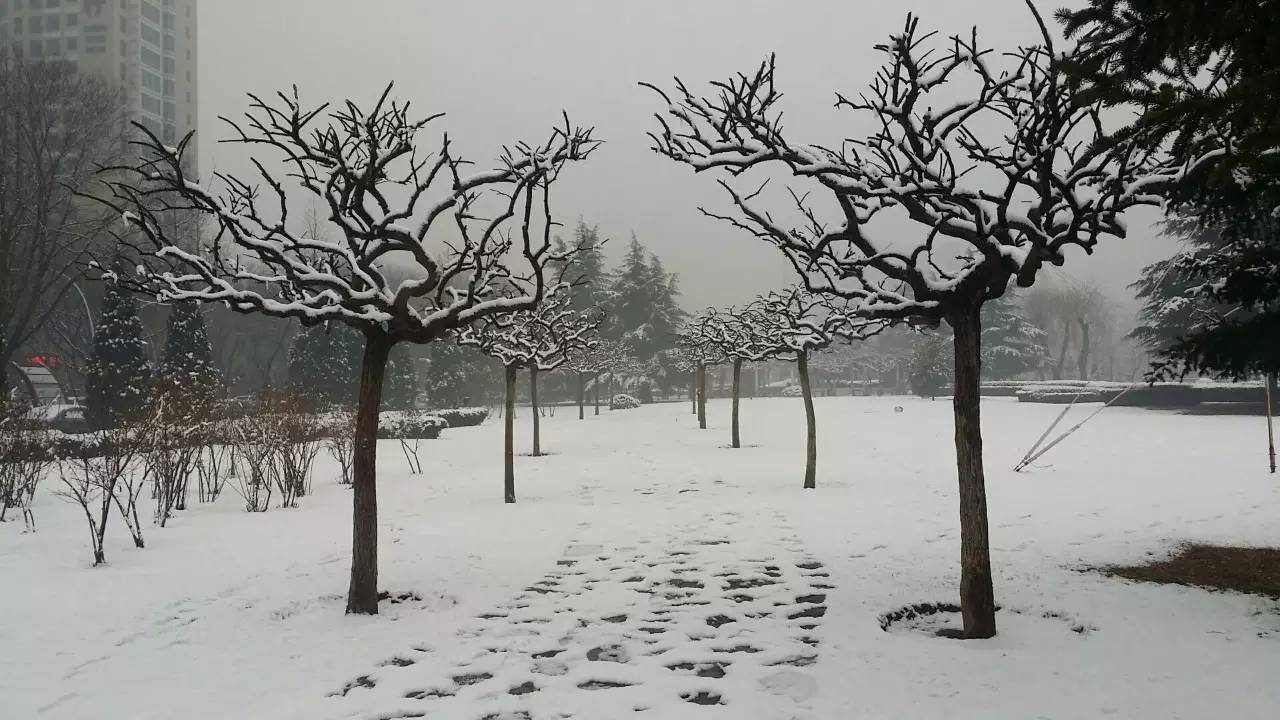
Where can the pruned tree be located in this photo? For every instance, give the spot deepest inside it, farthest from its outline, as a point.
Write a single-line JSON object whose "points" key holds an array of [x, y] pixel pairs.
{"points": [[738, 336], [607, 356], [697, 341], [795, 324], [541, 339], [996, 158], [471, 244]]}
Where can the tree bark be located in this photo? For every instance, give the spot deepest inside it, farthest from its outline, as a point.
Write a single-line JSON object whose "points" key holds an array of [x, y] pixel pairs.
{"points": [[737, 393], [533, 403], [582, 396], [509, 440], [702, 396], [597, 390], [811, 423], [977, 597], [611, 377], [362, 596]]}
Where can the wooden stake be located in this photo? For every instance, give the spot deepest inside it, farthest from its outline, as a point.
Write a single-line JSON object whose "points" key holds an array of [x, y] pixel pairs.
{"points": [[1271, 437]]}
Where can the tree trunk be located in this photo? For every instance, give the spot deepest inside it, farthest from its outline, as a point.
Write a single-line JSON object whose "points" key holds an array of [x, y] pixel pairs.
{"points": [[362, 596], [977, 597], [597, 382], [702, 396], [582, 396], [737, 392], [1082, 363], [693, 392], [611, 389], [811, 423], [533, 403], [509, 440], [1062, 352]]}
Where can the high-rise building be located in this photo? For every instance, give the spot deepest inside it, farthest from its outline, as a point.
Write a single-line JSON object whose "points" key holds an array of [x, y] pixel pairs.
{"points": [[148, 47]]}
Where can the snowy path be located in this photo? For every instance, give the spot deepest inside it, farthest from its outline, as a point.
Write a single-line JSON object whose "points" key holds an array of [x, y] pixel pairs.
{"points": [[698, 618]]}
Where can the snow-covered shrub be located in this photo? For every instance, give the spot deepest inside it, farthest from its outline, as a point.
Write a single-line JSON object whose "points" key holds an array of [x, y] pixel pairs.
{"points": [[792, 391], [409, 425], [462, 417], [623, 402]]}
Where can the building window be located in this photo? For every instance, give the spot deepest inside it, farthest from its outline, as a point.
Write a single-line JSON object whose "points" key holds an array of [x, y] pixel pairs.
{"points": [[151, 12], [73, 19], [73, 43], [151, 58], [35, 24], [151, 104], [53, 23], [52, 47], [150, 35]]}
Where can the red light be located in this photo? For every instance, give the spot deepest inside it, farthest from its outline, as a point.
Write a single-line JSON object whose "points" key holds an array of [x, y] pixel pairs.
{"points": [[44, 360]]}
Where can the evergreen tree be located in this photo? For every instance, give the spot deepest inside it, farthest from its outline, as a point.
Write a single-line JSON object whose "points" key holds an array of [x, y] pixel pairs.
{"points": [[187, 366], [324, 365], [1011, 344], [119, 375], [932, 365], [629, 299], [1206, 76], [402, 381], [666, 314]]}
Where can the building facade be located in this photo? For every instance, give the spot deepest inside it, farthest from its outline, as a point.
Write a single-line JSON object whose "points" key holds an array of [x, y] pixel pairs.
{"points": [[148, 47]]}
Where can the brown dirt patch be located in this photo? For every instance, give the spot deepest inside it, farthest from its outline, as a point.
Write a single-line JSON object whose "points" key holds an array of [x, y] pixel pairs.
{"points": [[1255, 571]]}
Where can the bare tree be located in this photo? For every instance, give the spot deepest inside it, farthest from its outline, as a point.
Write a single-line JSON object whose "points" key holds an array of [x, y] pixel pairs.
{"points": [[57, 127], [700, 350], [539, 339], [998, 159], [795, 323], [1075, 314], [388, 203], [607, 356]]}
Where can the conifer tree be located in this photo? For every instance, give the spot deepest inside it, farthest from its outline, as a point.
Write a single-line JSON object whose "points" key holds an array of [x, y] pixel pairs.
{"points": [[324, 365], [402, 381], [187, 366], [119, 375]]}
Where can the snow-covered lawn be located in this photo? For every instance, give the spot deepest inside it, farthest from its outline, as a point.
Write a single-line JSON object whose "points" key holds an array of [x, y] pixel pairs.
{"points": [[648, 568]]}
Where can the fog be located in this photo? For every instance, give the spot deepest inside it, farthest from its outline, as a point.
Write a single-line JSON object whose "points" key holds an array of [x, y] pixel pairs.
{"points": [[504, 70]]}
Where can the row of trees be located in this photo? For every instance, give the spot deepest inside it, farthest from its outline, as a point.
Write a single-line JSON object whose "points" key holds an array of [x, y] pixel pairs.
{"points": [[793, 325], [1002, 162]]}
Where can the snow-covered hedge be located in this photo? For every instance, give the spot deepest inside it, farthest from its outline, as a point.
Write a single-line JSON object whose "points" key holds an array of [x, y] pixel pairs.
{"points": [[792, 391], [407, 425], [624, 402], [462, 417]]}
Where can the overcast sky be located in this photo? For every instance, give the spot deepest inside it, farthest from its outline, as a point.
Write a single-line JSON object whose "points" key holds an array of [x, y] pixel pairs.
{"points": [[505, 69]]}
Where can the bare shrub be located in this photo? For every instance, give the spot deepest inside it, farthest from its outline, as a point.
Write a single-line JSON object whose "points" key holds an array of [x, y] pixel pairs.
{"points": [[340, 442], [252, 448], [297, 445], [97, 483], [171, 436], [25, 455]]}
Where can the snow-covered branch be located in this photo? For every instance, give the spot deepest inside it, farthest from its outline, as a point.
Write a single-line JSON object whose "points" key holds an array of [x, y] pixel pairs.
{"points": [[465, 243]]}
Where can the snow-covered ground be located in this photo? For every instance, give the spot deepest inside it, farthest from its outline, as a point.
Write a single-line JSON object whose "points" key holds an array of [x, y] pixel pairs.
{"points": [[649, 571]]}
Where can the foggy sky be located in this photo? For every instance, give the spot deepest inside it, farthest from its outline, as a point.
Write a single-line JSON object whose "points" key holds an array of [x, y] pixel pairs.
{"points": [[504, 70]]}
